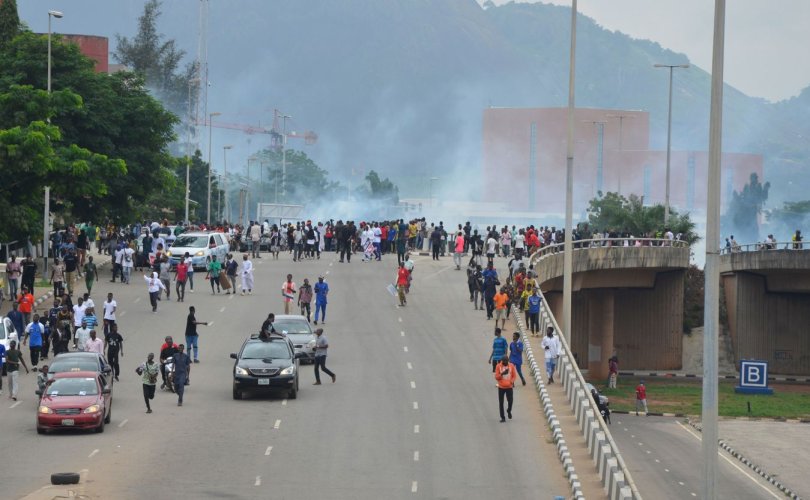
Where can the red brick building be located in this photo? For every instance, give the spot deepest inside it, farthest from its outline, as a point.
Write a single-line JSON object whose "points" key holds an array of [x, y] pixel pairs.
{"points": [[524, 156], [94, 47]]}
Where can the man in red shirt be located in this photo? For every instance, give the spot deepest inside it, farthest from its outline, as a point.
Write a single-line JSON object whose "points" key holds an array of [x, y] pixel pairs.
{"points": [[26, 304], [180, 278], [402, 283], [641, 397]]}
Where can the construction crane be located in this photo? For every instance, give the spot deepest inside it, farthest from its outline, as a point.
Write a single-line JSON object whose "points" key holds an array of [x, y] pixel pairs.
{"points": [[275, 132]]}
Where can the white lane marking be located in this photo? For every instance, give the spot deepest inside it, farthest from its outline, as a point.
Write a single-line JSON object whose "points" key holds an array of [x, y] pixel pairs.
{"points": [[210, 323], [641, 444], [231, 296], [15, 404], [693, 494], [400, 320], [123, 423], [222, 309], [416, 456], [327, 272], [413, 384], [410, 366], [666, 470], [657, 461], [732, 463], [277, 424], [137, 299], [401, 334], [283, 402], [405, 348], [415, 405], [416, 429], [648, 452], [268, 450], [258, 481], [680, 482], [414, 487], [625, 428], [122, 313], [330, 264], [632, 435], [93, 453]]}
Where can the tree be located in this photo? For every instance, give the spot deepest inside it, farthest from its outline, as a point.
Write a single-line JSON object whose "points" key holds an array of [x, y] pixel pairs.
{"points": [[792, 216], [380, 189], [305, 180], [614, 212], [9, 21], [158, 61], [742, 216]]}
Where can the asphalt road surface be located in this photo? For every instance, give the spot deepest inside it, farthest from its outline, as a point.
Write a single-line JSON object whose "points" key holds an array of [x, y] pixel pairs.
{"points": [[413, 413], [664, 457]]}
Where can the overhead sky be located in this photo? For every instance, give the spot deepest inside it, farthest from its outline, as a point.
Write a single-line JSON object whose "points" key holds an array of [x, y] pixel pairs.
{"points": [[766, 41]]}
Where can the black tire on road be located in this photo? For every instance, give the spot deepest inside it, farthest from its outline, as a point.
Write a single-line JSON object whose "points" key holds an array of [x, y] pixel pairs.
{"points": [[237, 394], [65, 478]]}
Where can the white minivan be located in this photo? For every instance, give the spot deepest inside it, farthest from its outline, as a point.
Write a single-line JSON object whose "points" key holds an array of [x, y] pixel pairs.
{"points": [[200, 246]]}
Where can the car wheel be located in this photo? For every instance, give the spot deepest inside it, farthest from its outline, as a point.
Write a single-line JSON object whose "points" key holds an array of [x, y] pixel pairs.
{"points": [[100, 427], [109, 415], [40, 430], [237, 394], [294, 391], [65, 478]]}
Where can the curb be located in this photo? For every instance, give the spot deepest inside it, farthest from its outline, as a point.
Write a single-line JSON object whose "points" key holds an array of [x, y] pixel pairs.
{"points": [[756, 468], [554, 424], [651, 414], [700, 377]]}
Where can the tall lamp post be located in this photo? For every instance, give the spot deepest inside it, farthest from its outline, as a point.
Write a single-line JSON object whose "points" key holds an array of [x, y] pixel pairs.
{"points": [[225, 178], [621, 118], [669, 132], [284, 158], [568, 249], [210, 126], [47, 207]]}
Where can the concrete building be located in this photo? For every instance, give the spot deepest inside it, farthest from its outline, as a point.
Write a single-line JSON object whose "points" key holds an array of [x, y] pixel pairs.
{"points": [[612, 153], [94, 47]]}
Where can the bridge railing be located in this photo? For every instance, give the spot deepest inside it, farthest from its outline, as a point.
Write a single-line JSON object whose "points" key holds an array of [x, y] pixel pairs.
{"points": [[764, 247], [606, 243]]}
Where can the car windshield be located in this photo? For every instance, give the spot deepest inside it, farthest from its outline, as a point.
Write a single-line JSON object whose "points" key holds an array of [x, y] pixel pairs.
{"points": [[73, 387], [266, 350], [82, 364], [191, 241], [291, 327]]}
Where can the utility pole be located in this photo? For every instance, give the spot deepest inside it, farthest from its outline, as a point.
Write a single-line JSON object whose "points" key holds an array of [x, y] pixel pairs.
{"points": [[568, 253], [47, 205], [284, 158], [669, 133], [621, 118], [210, 127]]}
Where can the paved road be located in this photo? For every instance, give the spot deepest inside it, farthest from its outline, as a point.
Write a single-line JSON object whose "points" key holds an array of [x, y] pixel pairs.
{"points": [[413, 413], [664, 456]]}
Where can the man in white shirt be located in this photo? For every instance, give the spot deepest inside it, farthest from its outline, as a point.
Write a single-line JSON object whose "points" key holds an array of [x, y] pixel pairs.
{"points": [[94, 344], [551, 347], [78, 314], [377, 239], [109, 312], [81, 337], [247, 275], [669, 237], [255, 236], [491, 244], [520, 243], [127, 263]]}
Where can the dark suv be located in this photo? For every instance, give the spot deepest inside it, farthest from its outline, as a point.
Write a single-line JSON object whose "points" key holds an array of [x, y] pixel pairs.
{"points": [[266, 363]]}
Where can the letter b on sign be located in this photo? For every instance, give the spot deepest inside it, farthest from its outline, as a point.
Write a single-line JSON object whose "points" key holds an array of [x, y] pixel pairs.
{"points": [[753, 373]]}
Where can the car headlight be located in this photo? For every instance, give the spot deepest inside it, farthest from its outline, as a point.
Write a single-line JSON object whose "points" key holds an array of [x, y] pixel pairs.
{"points": [[200, 253], [289, 370], [168, 254], [92, 409], [241, 371], [311, 344], [45, 409]]}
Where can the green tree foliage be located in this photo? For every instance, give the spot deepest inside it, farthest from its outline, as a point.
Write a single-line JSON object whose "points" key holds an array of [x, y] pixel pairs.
{"points": [[615, 212], [742, 216], [9, 22], [157, 60], [379, 189], [792, 216], [305, 180]]}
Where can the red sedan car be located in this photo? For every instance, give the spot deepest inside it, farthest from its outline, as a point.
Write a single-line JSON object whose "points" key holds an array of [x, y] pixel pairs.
{"points": [[74, 400]]}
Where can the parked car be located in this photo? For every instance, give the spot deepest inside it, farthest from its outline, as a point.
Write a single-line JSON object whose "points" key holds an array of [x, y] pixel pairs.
{"points": [[201, 246], [298, 330], [266, 363], [76, 361], [74, 400], [7, 334]]}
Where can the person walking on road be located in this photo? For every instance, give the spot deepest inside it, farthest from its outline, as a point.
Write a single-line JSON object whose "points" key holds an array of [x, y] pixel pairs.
{"points": [[182, 370], [165, 276], [402, 283], [501, 300], [2, 361], [499, 346], [180, 278], [149, 372], [214, 268], [191, 332], [533, 309], [551, 347], [321, 345], [459, 249], [190, 265], [505, 374], [288, 292], [641, 397], [115, 346], [36, 331], [95, 344], [109, 307], [13, 359], [247, 274], [516, 355], [154, 285], [90, 274], [305, 299], [321, 291], [26, 304], [231, 266]]}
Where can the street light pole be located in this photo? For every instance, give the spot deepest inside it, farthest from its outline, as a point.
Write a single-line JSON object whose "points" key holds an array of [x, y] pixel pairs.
{"points": [[210, 126], [568, 253], [621, 118], [711, 301], [225, 179], [284, 159], [47, 209], [669, 132]]}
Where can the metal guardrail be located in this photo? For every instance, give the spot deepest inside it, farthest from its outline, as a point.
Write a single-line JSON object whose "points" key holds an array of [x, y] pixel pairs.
{"points": [[606, 243], [764, 247], [616, 476]]}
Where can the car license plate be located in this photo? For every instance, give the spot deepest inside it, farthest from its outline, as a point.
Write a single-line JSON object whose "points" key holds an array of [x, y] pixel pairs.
{"points": [[67, 421], [264, 381]]}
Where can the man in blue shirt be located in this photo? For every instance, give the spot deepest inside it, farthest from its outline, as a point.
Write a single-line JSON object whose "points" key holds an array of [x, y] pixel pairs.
{"points": [[16, 318], [499, 346], [491, 283], [516, 354], [2, 360], [321, 290], [534, 311], [33, 334]]}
